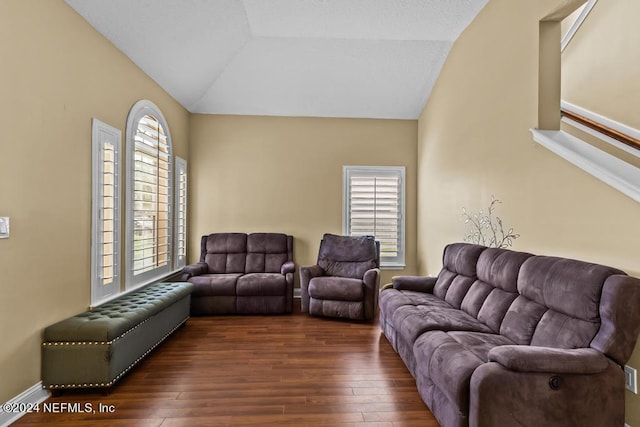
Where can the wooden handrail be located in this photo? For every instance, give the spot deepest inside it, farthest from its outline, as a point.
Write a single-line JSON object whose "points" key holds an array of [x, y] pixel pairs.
{"points": [[605, 130]]}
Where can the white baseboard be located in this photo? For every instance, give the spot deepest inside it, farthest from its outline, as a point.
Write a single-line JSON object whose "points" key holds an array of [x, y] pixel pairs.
{"points": [[296, 292], [31, 396]]}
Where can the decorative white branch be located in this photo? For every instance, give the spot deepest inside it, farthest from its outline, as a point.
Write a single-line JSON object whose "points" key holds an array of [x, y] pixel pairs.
{"points": [[487, 229]]}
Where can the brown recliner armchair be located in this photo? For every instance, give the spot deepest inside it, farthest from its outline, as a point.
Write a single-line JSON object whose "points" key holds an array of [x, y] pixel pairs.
{"points": [[346, 279]]}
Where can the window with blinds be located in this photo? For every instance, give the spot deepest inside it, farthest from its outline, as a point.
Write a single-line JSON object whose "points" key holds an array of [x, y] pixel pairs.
{"points": [[181, 213], [151, 210], [374, 205], [105, 239], [149, 196]]}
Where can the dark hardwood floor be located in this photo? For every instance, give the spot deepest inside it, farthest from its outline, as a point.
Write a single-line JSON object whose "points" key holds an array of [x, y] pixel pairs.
{"points": [[256, 371]]}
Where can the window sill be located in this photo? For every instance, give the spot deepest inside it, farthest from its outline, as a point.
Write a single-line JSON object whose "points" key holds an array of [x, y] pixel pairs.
{"points": [[133, 289], [609, 169], [393, 267]]}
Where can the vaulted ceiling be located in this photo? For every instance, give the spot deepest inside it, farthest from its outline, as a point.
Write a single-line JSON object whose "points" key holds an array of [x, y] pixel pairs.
{"points": [[317, 58]]}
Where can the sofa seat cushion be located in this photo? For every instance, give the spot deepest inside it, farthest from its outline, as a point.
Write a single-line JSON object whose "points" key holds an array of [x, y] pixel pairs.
{"points": [[448, 359], [393, 299], [411, 321], [262, 284], [214, 284], [336, 288]]}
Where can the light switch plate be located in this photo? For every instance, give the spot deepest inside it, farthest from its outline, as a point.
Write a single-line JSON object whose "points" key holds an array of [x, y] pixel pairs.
{"points": [[4, 227], [630, 379]]}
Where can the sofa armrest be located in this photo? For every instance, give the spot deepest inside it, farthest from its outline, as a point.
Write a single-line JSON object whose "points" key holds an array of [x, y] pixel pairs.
{"points": [[195, 269], [386, 286], [288, 267], [499, 396], [525, 358], [414, 283]]}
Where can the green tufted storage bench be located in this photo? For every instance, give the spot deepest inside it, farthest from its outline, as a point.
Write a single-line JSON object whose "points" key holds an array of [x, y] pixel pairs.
{"points": [[96, 348]]}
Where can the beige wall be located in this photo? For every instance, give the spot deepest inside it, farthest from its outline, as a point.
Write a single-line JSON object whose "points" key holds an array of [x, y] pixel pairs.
{"points": [[601, 72], [473, 141], [56, 74], [250, 174]]}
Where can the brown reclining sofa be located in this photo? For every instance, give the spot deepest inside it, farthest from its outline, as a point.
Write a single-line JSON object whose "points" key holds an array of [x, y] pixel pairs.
{"points": [[505, 338]]}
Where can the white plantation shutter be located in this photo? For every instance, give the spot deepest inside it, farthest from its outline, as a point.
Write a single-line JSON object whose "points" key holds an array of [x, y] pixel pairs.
{"points": [[151, 231], [150, 195], [374, 205], [181, 213], [105, 217]]}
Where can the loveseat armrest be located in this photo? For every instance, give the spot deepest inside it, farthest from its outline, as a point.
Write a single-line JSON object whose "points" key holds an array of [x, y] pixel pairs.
{"points": [[288, 267], [194, 270], [526, 358], [414, 283]]}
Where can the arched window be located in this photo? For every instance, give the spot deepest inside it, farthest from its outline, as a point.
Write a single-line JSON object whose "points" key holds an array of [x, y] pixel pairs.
{"points": [[149, 195]]}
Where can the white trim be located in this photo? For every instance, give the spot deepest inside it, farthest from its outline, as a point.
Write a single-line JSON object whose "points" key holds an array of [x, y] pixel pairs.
{"points": [[138, 111], [31, 397], [180, 168], [619, 174], [605, 121], [576, 25], [137, 288], [392, 266], [101, 134]]}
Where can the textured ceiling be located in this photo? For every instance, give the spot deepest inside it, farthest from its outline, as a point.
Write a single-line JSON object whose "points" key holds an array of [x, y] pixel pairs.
{"points": [[317, 58]]}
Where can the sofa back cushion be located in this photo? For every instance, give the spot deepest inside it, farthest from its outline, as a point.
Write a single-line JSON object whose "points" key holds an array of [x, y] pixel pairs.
{"points": [[559, 303], [347, 256], [543, 301], [458, 272], [495, 289], [224, 252], [266, 252]]}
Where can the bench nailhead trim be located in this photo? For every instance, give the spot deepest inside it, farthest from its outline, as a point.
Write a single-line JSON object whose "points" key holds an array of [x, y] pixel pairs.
{"points": [[85, 385], [54, 343]]}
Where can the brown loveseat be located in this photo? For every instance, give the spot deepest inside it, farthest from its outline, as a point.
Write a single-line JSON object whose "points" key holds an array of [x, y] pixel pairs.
{"points": [[242, 273], [504, 338]]}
